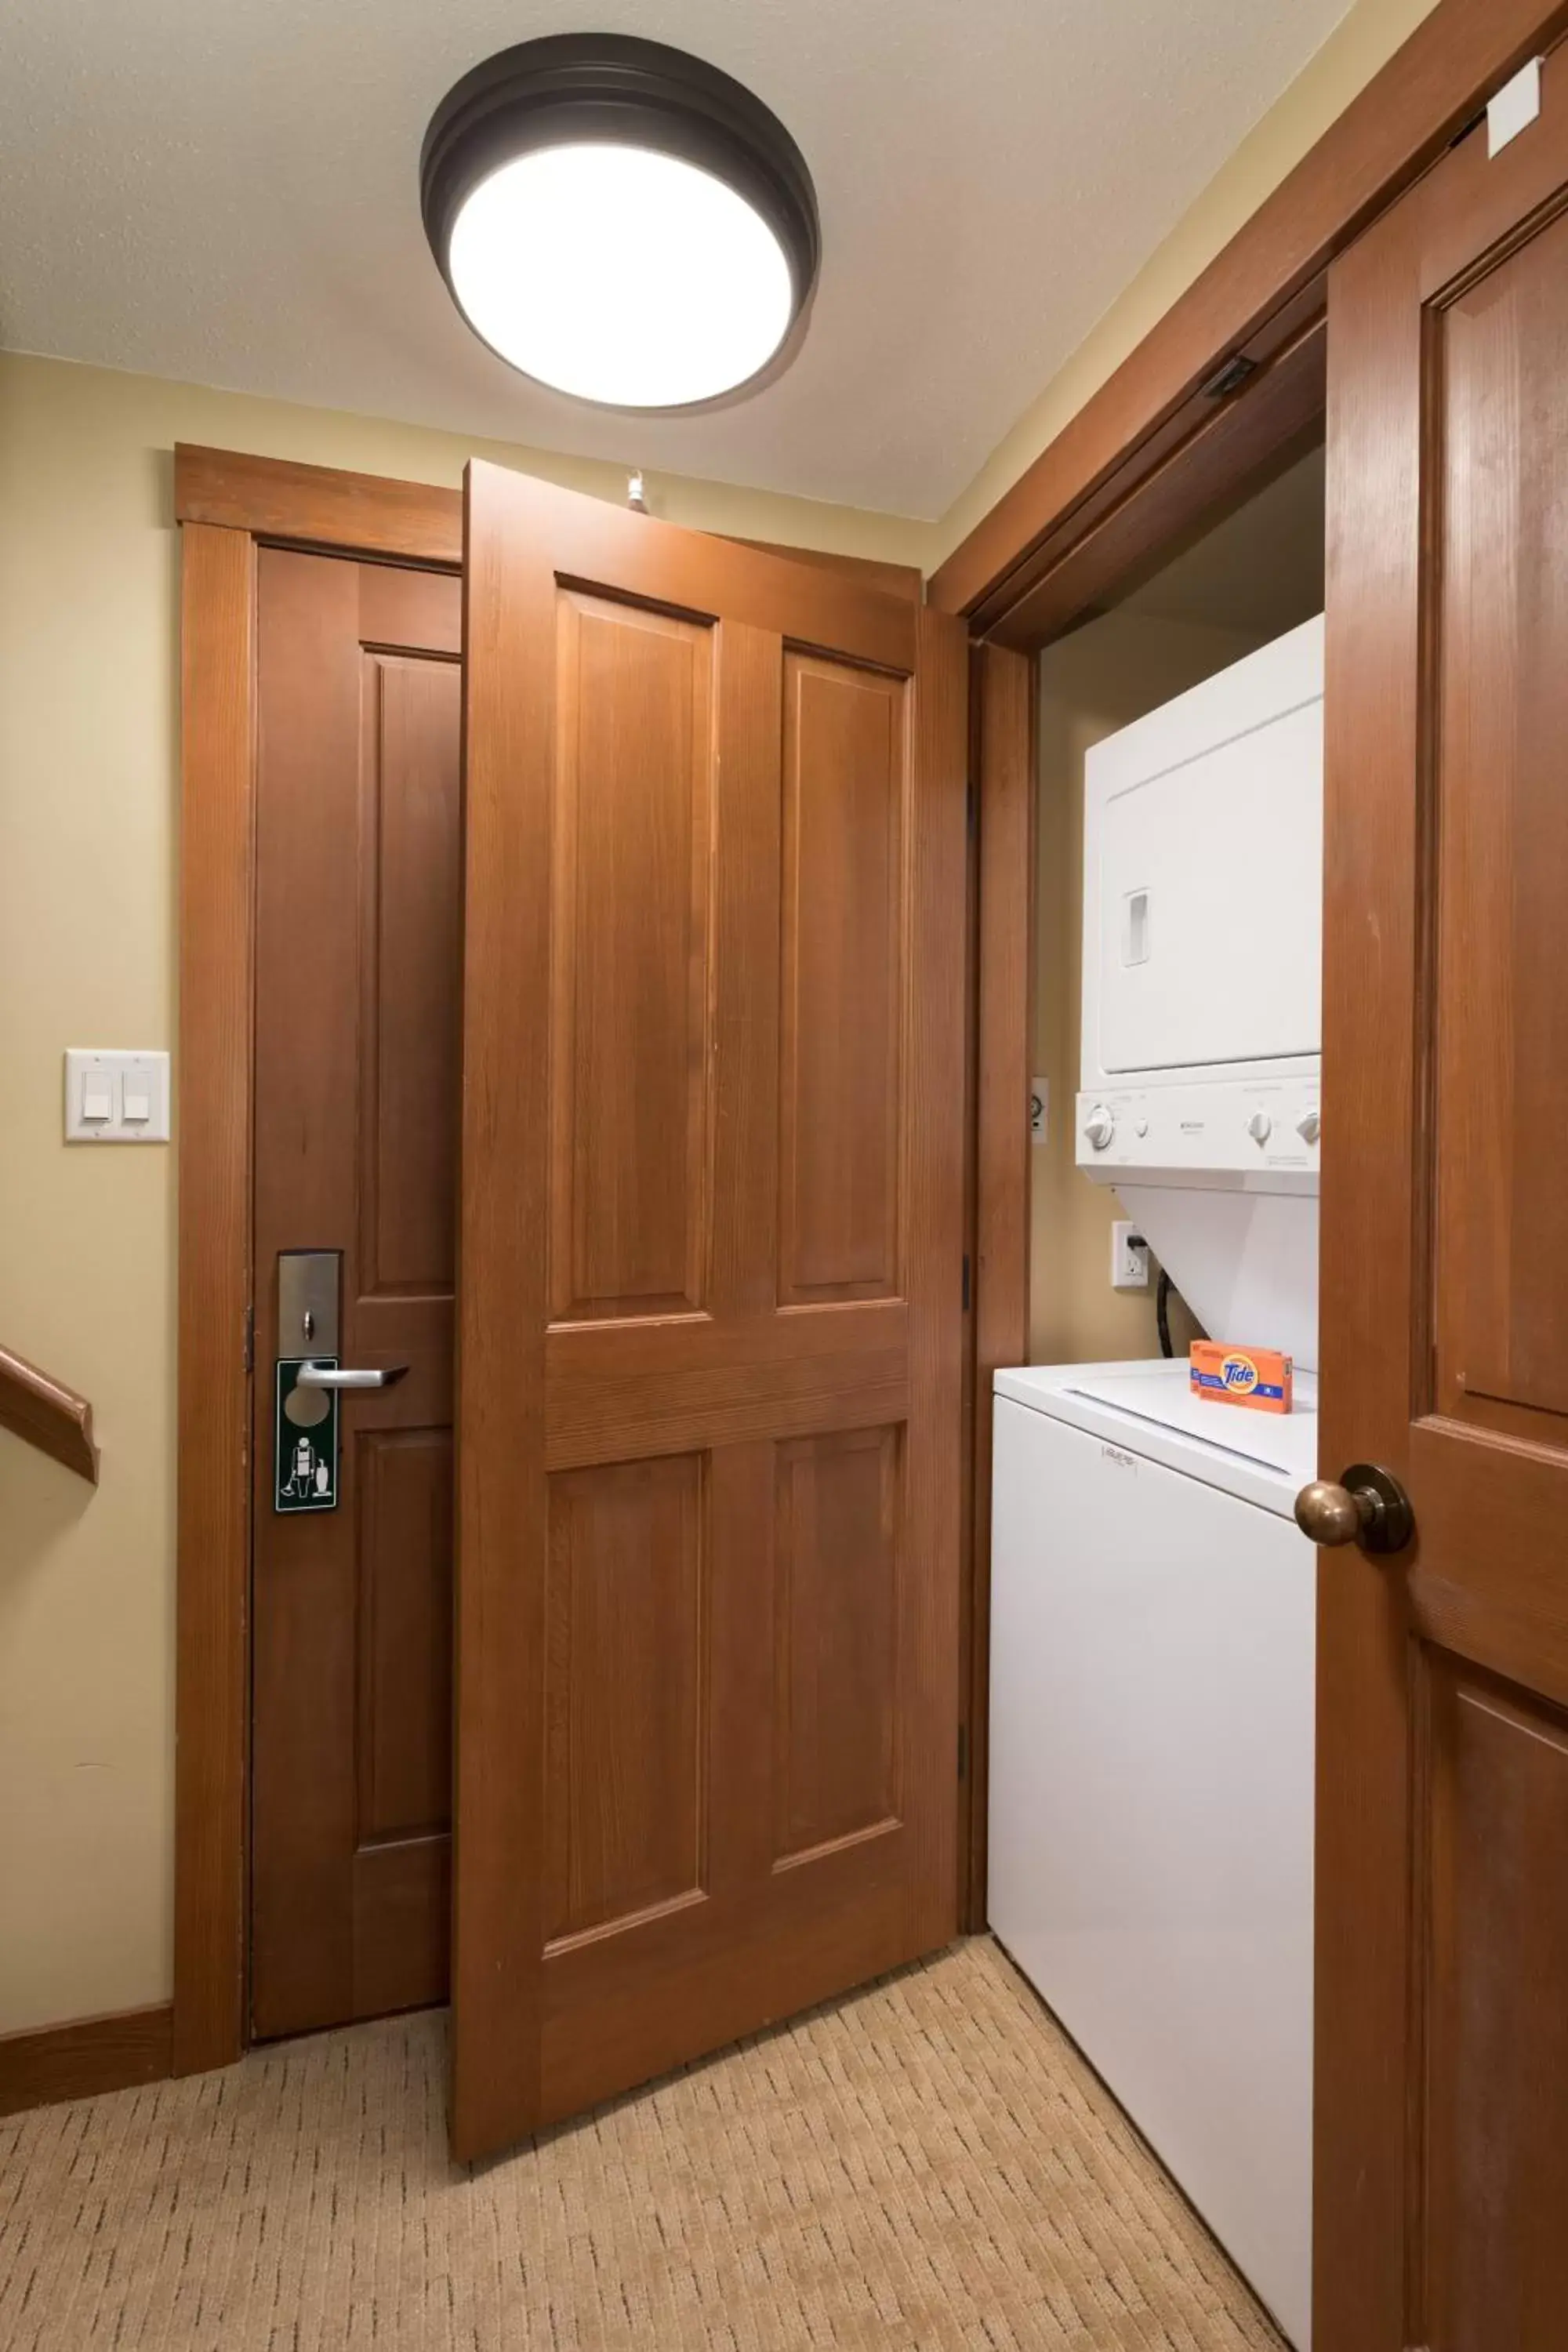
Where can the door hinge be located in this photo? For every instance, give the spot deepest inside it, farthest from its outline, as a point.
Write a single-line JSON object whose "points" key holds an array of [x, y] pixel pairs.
{"points": [[966, 1282], [250, 1338], [962, 1751]]}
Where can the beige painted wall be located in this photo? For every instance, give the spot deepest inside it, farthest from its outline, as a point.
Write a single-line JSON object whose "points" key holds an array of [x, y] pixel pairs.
{"points": [[1358, 47], [87, 801]]}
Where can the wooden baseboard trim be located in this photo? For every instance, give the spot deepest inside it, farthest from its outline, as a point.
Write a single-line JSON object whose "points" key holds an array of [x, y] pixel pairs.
{"points": [[79, 2060]]}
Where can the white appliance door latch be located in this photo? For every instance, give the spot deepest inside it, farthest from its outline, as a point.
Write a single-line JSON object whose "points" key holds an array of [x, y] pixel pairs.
{"points": [[1135, 927]]}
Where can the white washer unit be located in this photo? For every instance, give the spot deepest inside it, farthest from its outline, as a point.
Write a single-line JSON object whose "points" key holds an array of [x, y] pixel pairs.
{"points": [[1153, 1636], [1150, 1763]]}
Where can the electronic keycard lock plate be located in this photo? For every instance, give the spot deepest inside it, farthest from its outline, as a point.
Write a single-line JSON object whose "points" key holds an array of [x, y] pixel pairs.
{"points": [[309, 1381], [305, 1417]]}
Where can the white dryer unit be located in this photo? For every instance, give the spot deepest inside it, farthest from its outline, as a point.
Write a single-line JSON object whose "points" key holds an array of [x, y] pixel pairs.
{"points": [[1151, 1770], [1201, 988]]}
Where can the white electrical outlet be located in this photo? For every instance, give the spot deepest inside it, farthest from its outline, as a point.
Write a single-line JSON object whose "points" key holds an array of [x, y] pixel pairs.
{"points": [[1129, 1257]]}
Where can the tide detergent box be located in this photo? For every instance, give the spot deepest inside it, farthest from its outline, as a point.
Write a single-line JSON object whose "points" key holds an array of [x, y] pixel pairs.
{"points": [[1259, 1377]]}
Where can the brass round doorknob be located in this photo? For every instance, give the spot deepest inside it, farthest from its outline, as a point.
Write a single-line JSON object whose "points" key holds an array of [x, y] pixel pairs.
{"points": [[1369, 1508], [1327, 1513]]}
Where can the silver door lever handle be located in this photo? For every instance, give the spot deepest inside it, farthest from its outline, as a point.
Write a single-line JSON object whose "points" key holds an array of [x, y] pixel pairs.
{"points": [[323, 1376]]}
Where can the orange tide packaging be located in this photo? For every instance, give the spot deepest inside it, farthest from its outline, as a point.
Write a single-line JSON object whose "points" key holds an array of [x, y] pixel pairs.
{"points": [[1259, 1377]]}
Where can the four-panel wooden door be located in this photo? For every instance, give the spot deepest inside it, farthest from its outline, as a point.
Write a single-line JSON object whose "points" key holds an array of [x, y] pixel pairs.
{"points": [[710, 1304], [1442, 2113]]}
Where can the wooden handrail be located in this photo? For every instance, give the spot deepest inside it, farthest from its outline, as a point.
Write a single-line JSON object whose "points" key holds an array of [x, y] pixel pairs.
{"points": [[53, 1417]]}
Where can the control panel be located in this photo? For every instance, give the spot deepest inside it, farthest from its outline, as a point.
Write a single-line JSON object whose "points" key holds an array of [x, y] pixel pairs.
{"points": [[1266, 1130]]}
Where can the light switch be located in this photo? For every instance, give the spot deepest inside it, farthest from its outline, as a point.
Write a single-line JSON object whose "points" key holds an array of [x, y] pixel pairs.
{"points": [[116, 1098]]}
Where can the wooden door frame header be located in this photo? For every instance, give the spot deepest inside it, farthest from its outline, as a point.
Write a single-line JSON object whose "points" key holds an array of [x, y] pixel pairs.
{"points": [[405, 522], [1149, 455]]}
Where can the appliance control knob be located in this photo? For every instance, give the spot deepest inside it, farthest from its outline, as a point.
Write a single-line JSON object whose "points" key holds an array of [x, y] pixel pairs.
{"points": [[1309, 1125], [1141, 1127], [1260, 1126], [1099, 1126]]}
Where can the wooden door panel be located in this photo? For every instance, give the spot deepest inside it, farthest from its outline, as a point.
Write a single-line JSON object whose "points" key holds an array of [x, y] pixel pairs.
{"points": [[625, 2009], [1496, 1768], [844, 760], [1441, 2174], [631, 976], [401, 1926], [625, 1685], [404, 1479], [835, 1662], [402, 611], [668, 1387], [357, 1056], [410, 1024], [1479, 1585], [712, 1321], [1501, 1262]]}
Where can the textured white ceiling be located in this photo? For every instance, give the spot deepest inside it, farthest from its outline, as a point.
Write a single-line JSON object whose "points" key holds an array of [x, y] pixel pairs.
{"points": [[225, 192]]}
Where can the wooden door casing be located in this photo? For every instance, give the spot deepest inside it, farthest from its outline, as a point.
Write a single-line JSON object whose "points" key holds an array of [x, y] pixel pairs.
{"points": [[1442, 2102], [711, 1336], [357, 1061]]}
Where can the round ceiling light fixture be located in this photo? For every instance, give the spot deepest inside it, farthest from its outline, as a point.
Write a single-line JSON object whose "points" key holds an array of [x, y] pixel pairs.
{"points": [[620, 221]]}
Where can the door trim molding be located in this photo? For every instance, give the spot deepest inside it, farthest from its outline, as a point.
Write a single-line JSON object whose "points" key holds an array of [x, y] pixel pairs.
{"points": [[315, 506], [217, 600], [226, 506], [1004, 692]]}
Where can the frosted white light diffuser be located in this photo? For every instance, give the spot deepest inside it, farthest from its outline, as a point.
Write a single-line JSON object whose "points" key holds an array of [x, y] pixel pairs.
{"points": [[621, 220], [620, 274]]}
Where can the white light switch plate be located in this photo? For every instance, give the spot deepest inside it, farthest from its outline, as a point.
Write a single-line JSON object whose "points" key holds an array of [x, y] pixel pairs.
{"points": [[101, 1087]]}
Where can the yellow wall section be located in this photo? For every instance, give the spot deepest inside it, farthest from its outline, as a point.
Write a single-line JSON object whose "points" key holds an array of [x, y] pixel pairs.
{"points": [[88, 733], [1358, 47]]}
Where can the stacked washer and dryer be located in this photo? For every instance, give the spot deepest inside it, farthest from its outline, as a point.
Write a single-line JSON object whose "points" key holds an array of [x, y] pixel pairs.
{"points": [[1152, 1602]]}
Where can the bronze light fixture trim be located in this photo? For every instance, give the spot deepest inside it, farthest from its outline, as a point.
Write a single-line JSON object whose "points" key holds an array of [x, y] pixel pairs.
{"points": [[621, 221]]}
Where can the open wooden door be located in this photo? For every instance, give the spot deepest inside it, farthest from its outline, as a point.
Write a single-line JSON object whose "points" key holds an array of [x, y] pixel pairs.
{"points": [[709, 1338], [1441, 2193]]}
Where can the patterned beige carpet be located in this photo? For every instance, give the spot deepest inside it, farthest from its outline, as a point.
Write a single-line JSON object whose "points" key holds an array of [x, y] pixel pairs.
{"points": [[925, 2165]]}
